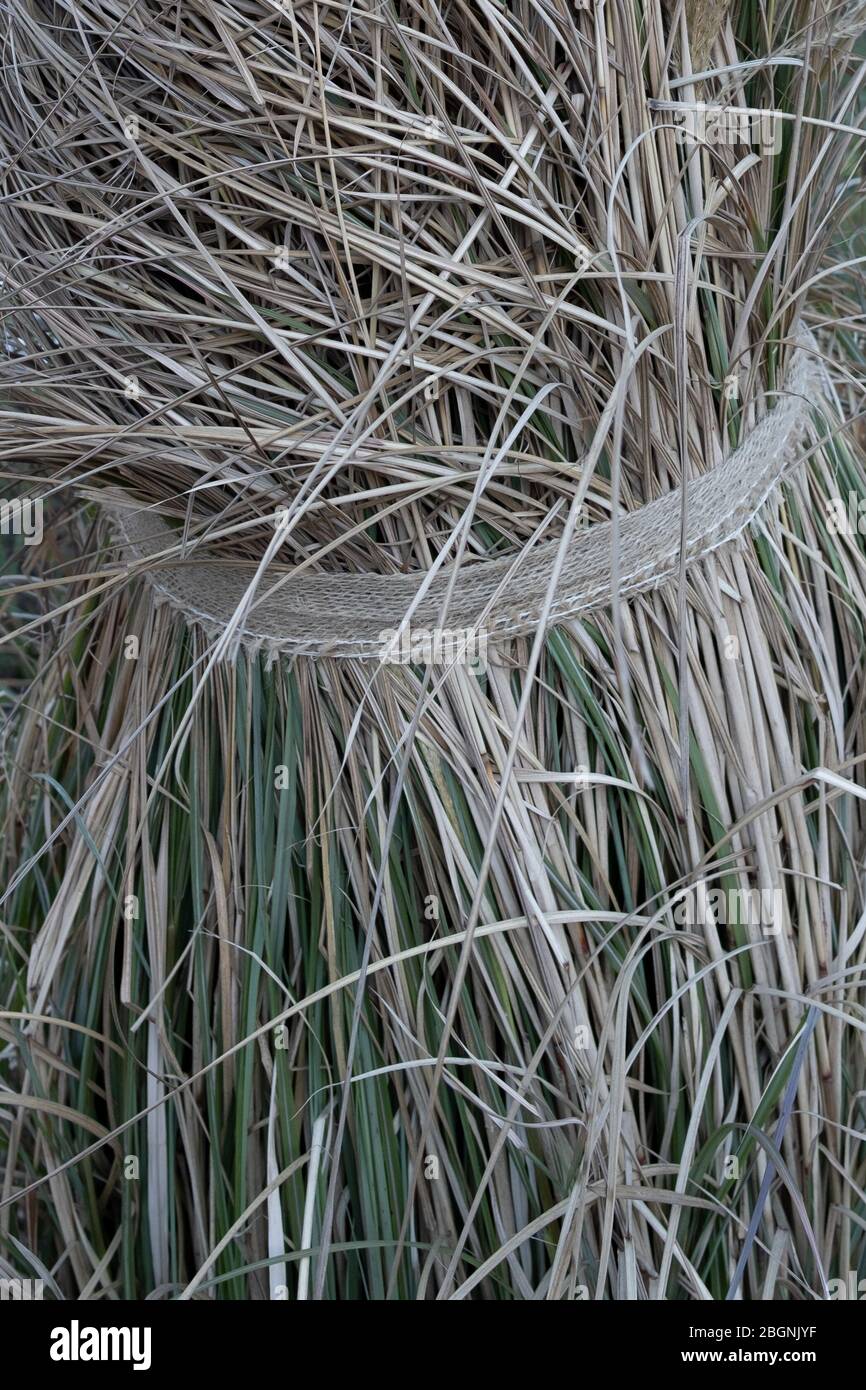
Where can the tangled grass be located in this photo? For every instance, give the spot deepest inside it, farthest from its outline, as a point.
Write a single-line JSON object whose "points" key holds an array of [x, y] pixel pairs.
{"points": [[334, 979]]}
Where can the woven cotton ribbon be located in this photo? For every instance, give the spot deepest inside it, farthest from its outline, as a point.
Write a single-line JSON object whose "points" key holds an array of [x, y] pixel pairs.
{"points": [[345, 615]]}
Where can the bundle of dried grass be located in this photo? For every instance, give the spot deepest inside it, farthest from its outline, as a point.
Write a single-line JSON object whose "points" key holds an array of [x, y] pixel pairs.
{"points": [[535, 975]]}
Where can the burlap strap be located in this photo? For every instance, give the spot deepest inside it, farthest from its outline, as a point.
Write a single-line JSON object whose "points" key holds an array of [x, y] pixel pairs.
{"points": [[344, 615]]}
